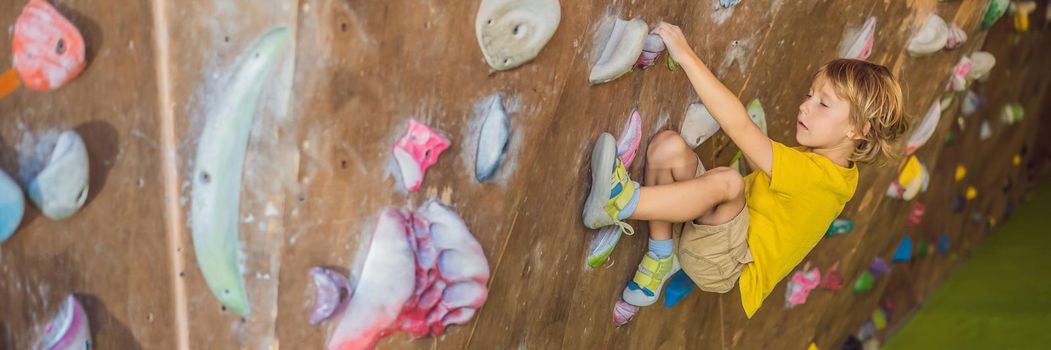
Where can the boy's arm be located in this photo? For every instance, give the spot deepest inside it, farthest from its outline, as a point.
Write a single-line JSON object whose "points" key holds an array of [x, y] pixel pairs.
{"points": [[725, 107]]}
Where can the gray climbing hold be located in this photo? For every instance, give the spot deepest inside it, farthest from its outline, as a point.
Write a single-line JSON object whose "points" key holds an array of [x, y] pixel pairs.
{"points": [[698, 125], [62, 187], [621, 48], [512, 32], [12, 206], [217, 177], [492, 140]]}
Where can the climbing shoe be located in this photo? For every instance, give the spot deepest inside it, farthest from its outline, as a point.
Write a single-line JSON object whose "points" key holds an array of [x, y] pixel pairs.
{"points": [[645, 288], [613, 195]]}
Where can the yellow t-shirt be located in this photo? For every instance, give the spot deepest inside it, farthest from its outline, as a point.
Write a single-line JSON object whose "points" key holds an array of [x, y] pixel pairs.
{"points": [[789, 213]]}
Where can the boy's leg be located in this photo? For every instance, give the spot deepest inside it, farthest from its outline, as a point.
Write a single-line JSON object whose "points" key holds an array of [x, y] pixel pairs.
{"points": [[693, 199], [668, 159]]}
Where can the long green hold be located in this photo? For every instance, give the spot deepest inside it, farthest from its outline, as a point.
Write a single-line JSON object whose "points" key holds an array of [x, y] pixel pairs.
{"points": [[217, 177], [996, 9], [864, 282]]}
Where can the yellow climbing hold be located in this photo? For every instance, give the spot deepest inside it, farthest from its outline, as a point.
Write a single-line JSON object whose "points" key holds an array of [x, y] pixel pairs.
{"points": [[971, 192], [1016, 160], [911, 171], [1021, 14], [961, 172], [812, 347], [992, 221]]}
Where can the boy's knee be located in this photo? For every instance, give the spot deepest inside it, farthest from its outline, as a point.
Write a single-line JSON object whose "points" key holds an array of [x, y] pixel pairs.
{"points": [[667, 147], [732, 179]]}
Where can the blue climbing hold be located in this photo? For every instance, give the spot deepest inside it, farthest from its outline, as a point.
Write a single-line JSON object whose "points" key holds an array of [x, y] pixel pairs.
{"points": [[679, 286], [904, 252], [729, 3], [12, 206], [943, 243]]}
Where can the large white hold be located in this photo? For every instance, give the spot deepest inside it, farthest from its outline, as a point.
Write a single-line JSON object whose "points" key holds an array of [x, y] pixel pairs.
{"points": [[61, 188], [512, 32], [621, 47], [930, 38], [698, 125]]}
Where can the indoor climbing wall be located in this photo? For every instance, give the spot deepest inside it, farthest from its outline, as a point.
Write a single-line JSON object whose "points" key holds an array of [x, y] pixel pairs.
{"points": [[234, 146]]}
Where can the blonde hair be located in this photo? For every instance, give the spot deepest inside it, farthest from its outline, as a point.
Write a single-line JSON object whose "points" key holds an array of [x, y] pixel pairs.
{"points": [[876, 107]]}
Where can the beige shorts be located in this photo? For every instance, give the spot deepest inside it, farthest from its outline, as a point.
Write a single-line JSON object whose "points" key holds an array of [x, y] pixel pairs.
{"points": [[713, 256]]}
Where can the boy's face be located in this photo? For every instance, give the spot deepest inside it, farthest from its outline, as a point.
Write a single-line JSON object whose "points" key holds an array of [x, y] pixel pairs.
{"points": [[824, 118]]}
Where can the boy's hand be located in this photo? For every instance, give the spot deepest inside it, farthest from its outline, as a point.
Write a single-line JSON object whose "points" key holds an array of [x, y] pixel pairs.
{"points": [[675, 41]]}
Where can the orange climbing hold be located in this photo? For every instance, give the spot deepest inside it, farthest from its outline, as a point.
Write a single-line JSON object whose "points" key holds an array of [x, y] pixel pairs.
{"points": [[48, 48], [8, 82]]}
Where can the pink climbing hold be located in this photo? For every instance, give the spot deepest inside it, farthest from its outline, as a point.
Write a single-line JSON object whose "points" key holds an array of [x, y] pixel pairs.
{"points": [[630, 137], [69, 329], [957, 36], [858, 43], [958, 82], [916, 215], [800, 285], [424, 272], [416, 151], [332, 293], [623, 313]]}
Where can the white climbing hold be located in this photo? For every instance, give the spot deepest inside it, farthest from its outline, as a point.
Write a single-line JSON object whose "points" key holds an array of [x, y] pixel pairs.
{"points": [[971, 102], [1012, 113], [698, 125], [12, 206], [512, 32], [925, 129], [620, 49], [492, 140], [931, 37], [857, 43], [217, 175], [986, 131], [983, 63], [62, 187]]}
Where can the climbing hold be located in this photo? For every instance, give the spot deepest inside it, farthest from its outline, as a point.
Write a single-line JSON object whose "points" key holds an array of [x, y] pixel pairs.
{"points": [[857, 44], [840, 226], [331, 293], [879, 319], [996, 9], [946, 100], [630, 138], [912, 180], [1012, 113], [679, 286], [1021, 11], [48, 49], [959, 74], [62, 187], [602, 245], [970, 104], [698, 125], [986, 131], [972, 192], [757, 114], [812, 346], [623, 313], [931, 37], [950, 136], [217, 176], [904, 251], [619, 51], [922, 249], [423, 272], [9, 82], [416, 151], [961, 172], [943, 243], [69, 330], [492, 140], [1016, 160], [800, 285], [12, 206], [729, 3], [957, 36], [867, 332], [833, 279], [672, 64], [739, 163], [512, 32], [925, 129], [651, 50], [864, 282], [879, 267], [916, 215], [981, 64], [958, 203]]}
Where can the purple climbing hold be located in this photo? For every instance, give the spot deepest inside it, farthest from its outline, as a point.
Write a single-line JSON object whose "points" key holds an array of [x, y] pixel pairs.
{"points": [[332, 293], [630, 138], [651, 50], [623, 313], [879, 267]]}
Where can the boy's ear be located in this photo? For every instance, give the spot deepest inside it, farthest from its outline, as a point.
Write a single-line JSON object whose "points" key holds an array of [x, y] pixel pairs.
{"points": [[864, 131]]}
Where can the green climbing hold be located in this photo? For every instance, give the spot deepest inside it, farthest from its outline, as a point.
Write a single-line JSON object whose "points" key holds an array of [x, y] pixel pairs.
{"points": [[864, 282], [996, 9], [949, 137], [879, 319], [839, 227], [738, 162], [672, 65], [922, 248]]}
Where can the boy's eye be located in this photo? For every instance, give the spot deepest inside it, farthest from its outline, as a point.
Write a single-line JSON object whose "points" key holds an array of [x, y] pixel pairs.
{"points": [[824, 105]]}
